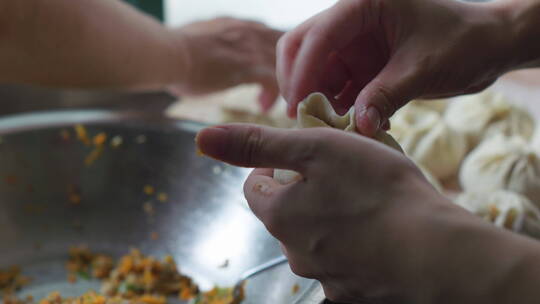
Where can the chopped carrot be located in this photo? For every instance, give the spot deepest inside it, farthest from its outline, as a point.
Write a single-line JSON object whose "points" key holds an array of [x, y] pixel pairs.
{"points": [[149, 190], [295, 288], [82, 135], [93, 156], [99, 139], [65, 134], [162, 197]]}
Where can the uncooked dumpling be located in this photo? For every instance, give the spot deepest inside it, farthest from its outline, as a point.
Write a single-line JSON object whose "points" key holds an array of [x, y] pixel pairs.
{"points": [[237, 104], [503, 163], [437, 105], [505, 209], [428, 140], [316, 111], [535, 140], [483, 115]]}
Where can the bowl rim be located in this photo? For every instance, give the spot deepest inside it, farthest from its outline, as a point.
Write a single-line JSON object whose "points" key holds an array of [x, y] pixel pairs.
{"points": [[67, 118]]}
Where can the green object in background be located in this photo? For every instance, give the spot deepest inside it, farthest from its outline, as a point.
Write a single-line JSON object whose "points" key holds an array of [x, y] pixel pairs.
{"points": [[151, 7]]}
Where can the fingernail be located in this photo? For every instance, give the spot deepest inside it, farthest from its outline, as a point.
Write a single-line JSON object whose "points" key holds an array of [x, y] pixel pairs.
{"points": [[374, 117], [212, 141]]}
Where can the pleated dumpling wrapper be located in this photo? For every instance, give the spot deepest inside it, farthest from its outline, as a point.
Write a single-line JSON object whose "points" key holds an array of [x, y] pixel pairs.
{"points": [[429, 140], [503, 162], [316, 111], [535, 140], [505, 209], [483, 115]]}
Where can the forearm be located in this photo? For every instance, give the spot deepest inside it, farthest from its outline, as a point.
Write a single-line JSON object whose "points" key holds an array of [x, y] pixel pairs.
{"points": [[449, 255], [85, 43], [474, 262], [489, 266]]}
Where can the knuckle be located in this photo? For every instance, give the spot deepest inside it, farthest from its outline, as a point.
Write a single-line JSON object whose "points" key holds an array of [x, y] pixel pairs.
{"points": [[252, 145], [386, 102]]}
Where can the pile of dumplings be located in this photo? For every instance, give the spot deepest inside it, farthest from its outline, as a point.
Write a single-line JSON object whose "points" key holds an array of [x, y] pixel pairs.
{"points": [[486, 142]]}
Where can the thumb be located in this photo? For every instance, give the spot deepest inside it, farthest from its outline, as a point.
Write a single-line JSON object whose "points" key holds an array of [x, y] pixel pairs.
{"points": [[256, 146], [392, 88]]}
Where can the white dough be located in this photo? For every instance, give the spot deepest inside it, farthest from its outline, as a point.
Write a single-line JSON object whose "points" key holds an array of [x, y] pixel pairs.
{"points": [[237, 104], [316, 111], [503, 163], [429, 140], [505, 209], [437, 105], [535, 140], [483, 115]]}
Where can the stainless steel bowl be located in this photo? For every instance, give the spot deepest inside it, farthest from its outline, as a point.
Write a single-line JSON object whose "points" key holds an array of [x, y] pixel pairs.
{"points": [[26, 98], [203, 223]]}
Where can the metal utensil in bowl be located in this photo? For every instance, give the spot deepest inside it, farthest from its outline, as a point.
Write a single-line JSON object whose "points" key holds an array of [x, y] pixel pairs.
{"points": [[238, 287], [201, 224]]}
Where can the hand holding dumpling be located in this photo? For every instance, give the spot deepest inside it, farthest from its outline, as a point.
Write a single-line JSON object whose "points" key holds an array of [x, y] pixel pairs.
{"points": [[363, 220], [376, 55], [316, 111]]}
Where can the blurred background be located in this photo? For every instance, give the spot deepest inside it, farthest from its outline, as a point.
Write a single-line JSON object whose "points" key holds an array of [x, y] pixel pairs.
{"points": [[280, 14]]}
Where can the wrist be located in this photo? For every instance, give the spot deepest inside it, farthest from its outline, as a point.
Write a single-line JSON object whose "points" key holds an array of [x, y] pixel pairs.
{"points": [[522, 19], [479, 263], [450, 256]]}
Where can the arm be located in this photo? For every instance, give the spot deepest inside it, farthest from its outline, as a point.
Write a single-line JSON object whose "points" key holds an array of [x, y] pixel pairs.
{"points": [[379, 231], [106, 43], [86, 43]]}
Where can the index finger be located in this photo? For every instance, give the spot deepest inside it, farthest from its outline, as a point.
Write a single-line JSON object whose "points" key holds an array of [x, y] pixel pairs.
{"points": [[286, 51], [257, 146]]}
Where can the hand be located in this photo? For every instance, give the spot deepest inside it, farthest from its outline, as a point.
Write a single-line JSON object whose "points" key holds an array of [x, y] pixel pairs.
{"points": [[226, 52], [379, 54], [364, 221]]}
